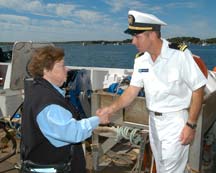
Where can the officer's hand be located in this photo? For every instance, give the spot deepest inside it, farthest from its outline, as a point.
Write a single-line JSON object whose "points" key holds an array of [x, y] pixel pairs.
{"points": [[187, 135], [106, 111]]}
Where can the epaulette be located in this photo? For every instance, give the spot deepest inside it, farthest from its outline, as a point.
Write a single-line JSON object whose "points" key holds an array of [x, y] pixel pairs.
{"points": [[178, 46], [139, 54]]}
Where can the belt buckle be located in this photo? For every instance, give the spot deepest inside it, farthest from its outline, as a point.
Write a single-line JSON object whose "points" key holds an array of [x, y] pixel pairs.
{"points": [[158, 113]]}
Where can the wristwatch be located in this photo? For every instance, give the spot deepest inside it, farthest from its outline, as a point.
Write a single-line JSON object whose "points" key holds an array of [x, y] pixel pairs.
{"points": [[193, 126]]}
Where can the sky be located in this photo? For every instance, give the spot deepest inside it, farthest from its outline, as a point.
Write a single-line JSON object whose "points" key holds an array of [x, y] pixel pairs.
{"points": [[78, 20]]}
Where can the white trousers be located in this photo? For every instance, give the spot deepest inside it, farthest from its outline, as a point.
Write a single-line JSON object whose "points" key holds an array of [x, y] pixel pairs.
{"points": [[164, 133]]}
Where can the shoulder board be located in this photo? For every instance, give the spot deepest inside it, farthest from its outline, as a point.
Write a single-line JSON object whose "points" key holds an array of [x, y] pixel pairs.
{"points": [[139, 54], [178, 46]]}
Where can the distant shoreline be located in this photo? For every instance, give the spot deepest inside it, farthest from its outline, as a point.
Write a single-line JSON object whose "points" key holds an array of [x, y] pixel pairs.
{"points": [[186, 40]]}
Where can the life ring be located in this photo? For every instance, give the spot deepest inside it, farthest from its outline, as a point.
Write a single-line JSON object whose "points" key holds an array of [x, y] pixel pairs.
{"points": [[201, 65], [214, 69]]}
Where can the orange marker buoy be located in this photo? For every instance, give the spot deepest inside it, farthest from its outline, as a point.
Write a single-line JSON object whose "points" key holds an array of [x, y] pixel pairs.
{"points": [[201, 65], [214, 69]]}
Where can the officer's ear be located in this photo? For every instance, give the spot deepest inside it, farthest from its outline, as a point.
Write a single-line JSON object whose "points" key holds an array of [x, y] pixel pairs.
{"points": [[153, 35]]}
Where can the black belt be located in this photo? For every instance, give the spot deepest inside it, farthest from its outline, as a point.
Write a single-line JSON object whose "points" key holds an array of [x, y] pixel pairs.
{"points": [[158, 113]]}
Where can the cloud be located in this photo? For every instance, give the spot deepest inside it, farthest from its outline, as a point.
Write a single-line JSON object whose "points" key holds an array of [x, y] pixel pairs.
{"points": [[119, 5], [14, 19], [202, 27], [193, 28], [61, 9], [116, 5], [22, 5], [16, 27], [107, 19], [38, 8], [185, 4], [88, 16]]}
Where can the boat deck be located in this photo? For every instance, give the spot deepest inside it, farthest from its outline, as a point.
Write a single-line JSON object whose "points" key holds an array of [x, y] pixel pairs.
{"points": [[8, 166]]}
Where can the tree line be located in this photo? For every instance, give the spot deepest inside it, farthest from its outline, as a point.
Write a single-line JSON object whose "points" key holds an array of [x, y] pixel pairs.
{"points": [[187, 40], [192, 40]]}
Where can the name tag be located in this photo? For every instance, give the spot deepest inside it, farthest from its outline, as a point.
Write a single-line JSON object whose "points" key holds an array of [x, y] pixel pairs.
{"points": [[143, 70]]}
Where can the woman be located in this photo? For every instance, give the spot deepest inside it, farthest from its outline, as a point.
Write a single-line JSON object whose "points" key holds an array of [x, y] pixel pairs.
{"points": [[52, 131]]}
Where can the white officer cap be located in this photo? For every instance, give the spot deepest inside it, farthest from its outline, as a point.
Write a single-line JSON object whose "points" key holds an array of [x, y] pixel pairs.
{"points": [[139, 22]]}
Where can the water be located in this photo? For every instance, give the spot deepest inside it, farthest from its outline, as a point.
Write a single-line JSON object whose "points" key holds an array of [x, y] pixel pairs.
{"points": [[207, 53], [97, 55], [118, 56], [121, 56]]}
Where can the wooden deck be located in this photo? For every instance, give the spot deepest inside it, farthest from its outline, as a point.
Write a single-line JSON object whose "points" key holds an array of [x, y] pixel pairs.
{"points": [[111, 168]]}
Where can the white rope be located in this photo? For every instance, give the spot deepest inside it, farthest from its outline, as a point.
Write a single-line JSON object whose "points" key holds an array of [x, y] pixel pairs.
{"points": [[132, 134]]}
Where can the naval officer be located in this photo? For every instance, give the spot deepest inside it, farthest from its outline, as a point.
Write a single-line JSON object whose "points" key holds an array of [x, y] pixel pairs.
{"points": [[173, 85]]}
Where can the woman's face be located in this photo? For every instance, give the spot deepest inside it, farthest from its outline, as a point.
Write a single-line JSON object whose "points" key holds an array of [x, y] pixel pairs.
{"points": [[58, 74]]}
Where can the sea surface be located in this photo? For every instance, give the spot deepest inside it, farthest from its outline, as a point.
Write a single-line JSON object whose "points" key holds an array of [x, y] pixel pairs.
{"points": [[118, 56], [121, 56]]}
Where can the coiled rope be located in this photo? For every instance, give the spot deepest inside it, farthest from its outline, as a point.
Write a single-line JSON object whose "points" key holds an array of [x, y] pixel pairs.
{"points": [[134, 135]]}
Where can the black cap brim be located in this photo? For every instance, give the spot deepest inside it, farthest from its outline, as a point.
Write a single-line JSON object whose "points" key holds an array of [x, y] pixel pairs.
{"points": [[133, 32]]}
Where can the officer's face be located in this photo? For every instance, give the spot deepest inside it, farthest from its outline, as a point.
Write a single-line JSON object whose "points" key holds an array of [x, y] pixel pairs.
{"points": [[141, 41]]}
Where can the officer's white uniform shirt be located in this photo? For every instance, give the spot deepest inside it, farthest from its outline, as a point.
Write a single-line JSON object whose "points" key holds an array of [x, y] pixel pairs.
{"points": [[169, 81]]}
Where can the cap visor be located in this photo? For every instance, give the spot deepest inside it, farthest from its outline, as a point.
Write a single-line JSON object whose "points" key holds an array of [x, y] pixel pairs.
{"points": [[133, 32]]}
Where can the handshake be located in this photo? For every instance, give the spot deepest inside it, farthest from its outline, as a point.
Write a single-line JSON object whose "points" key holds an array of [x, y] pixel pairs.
{"points": [[104, 114]]}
